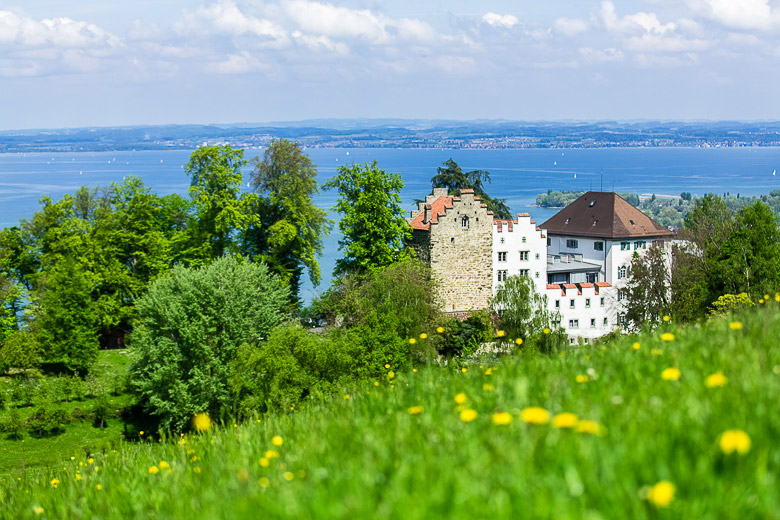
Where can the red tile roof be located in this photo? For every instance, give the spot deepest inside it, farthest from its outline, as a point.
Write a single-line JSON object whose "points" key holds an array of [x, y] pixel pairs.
{"points": [[435, 210], [586, 285], [602, 284], [466, 191]]}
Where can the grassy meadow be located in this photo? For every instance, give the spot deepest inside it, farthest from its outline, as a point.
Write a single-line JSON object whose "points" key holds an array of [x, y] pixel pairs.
{"points": [[496, 439]]}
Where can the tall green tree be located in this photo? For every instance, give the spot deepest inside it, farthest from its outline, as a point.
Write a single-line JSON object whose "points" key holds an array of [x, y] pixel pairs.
{"points": [[372, 222], [289, 228], [648, 294], [221, 211], [451, 176]]}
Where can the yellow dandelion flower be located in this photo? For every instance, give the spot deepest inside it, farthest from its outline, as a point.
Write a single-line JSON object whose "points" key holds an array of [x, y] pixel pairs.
{"points": [[564, 420], [73, 458], [196, 469], [277, 440], [766, 296], [734, 440], [777, 297], [38, 510], [487, 387], [468, 415], [546, 330], [414, 370], [502, 418], [667, 336], [535, 415], [154, 470], [141, 433], [716, 380], [91, 460], [412, 341], [78, 476], [98, 487], [735, 325], [201, 422], [464, 370], [346, 396], [194, 458], [500, 333], [415, 410], [461, 398], [263, 482], [582, 378], [671, 374], [489, 372], [55, 482], [636, 346], [390, 375], [591, 427], [519, 341], [271, 454], [376, 383], [263, 462], [163, 465], [440, 330], [761, 301], [288, 476], [387, 365], [662, 494], [96, 468], [235, 425], [423, 336]]}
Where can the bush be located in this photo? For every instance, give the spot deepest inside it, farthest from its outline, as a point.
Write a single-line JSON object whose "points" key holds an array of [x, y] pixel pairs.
{"points": [[463, 338], [14, 425], [21, 350], [47, 419], [191, 325]]}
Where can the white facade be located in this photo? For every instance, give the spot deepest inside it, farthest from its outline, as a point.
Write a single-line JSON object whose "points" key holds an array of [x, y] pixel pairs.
{"points": [[519, 248], [586, 311]]}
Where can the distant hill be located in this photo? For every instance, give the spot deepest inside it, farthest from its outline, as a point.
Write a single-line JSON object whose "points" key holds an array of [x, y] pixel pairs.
{"points": [[401, 133]]}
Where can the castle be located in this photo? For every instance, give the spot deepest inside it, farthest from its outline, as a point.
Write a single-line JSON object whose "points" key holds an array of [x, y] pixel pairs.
{"points": [[578, 259]]}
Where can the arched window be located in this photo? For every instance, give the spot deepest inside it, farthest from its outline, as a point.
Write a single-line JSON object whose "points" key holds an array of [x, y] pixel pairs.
{"points": [[464, 222]]}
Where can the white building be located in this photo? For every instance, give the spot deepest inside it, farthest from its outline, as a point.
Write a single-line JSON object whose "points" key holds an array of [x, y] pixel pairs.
{"points": [[519, 248]]}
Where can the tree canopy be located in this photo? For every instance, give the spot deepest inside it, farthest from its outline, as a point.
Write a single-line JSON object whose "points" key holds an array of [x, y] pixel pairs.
{"points": [[451, 176]]}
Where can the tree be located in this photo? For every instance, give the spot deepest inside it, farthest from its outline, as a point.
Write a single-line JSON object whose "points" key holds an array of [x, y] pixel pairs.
{"points": [[372, 223], [290, 228], [647, 291], [449, 175], [220, 209], [191, 326]]}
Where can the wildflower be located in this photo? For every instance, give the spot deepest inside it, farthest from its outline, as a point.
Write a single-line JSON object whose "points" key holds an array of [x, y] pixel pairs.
{"points": [[202, 422], [346, 396], [390, 375], [163, 465], [194, 458], [461, 398], [141, 433], [662, 494], [519, 341], [716, 380], [415, 410], [582, 378], [277, 440], [243, 475], [412, 341], [196, 469], [78, 476], [387, 365], [423, 336], [38, 510], [468, 415], [235, 425], [671, 374], [734, 440], [667, 336], [91, 460], [502, 418], [55, 482], [263, 482], [766, 296], [735, 325], [564, 420], [440, 330], [546, 330], [376, 383], [636, 346], [489, 371], [761, 301], [667, 318], [98, 487], [777, 297], [154, 470], [500, 333], [288, 476], [591, 427], [487, 387], [535, 415], [271, 454], [464, 370], [73, 458], [96, 468]]}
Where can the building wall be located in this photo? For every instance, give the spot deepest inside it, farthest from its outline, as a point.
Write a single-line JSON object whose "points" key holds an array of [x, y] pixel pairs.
{"points": [[583, 309], [522, 236], [585, 247], [461, 257]]}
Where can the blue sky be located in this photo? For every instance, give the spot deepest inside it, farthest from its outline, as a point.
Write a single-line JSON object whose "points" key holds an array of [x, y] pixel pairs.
{"points": [[223, 61]]}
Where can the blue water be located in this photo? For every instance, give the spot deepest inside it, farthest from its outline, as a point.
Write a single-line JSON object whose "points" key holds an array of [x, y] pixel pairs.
{"points": [[518, 175]]}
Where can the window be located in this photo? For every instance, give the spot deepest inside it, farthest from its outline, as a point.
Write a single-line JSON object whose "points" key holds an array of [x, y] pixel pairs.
{"points": [[592, 203], [621, 318], [502, 240], [537, 274], [606, 322], [523, 256], [587, 303], [593, 323], [502, 275], [549, 242], [620, 294], [502, 256], [598, 246], [574, 324], [537, 256], [523, 240], [625, 246], [464, 222], [557, 304], [556, 323], [640, 244], [622, 272], [523, 272], [452, 240], [571, 303], [602, 301], [571, 244]]}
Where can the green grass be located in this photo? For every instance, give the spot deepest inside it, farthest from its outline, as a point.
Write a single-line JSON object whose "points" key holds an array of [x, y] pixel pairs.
{"points": [[368, 457]]}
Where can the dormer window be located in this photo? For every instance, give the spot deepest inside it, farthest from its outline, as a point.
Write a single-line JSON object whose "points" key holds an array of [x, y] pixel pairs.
{"points": [[595, 222], [464, 222], [632, 222], [567, 221], [592, 203]]}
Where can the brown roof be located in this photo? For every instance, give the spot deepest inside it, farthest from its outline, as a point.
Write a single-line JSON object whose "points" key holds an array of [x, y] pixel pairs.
{"points": [[435, 209], [603, 215]]}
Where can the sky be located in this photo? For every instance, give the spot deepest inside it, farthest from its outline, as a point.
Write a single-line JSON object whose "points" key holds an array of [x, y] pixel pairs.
{"points": [[118, 62]]}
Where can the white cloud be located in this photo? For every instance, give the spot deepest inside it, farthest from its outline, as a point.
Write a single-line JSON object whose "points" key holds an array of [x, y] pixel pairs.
{"points": [[597, 55], [320, 42], [21, 31], [500, 20], [738, 14], [570, 26], [639, 22], [227, 18], [237, 64]]}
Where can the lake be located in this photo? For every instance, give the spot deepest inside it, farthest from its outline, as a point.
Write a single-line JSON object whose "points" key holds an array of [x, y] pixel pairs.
{"points": [[518, 175]]}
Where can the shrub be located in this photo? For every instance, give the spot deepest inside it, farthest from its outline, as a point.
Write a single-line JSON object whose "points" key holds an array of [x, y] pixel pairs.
{"points": [[463, 338], [14, 425], [191, 326], [729, 303], [21, 350], [47, 419]]}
